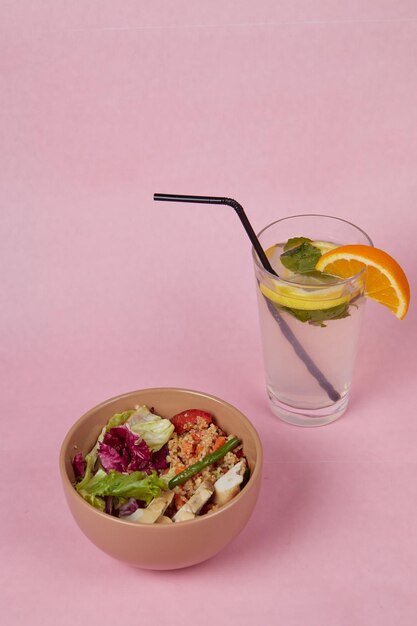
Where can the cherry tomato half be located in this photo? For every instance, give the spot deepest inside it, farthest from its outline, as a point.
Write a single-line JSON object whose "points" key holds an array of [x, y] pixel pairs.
{"points": [[184, 421]]}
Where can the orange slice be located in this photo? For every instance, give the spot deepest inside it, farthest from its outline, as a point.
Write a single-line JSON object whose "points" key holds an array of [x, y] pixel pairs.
{"points": [[385, 280]]}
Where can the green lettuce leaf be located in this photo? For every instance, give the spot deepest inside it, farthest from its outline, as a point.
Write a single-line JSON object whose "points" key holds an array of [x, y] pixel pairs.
{"points": [[165, 478], [152, 428], [90, 459], [135, 485], [95, 501], [118, 419]]}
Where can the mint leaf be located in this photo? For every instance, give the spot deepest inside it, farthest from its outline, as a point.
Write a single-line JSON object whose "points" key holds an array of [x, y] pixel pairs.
{"points": [[302, 258], [319, 316], [294, 242]]}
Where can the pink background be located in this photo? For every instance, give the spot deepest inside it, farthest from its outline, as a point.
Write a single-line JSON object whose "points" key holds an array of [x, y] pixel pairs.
{"points": [[290, 107]]}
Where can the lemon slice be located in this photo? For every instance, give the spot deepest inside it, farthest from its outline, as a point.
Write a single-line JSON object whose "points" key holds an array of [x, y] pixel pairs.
{"points": [[309, 299], [305, 299]]}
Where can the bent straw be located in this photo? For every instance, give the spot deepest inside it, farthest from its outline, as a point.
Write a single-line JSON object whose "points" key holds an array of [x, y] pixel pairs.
{"points": [[286, 330], [239, 210]]}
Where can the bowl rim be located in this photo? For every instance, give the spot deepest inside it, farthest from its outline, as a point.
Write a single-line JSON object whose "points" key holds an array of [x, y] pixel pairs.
{"points": [[254, 477]]}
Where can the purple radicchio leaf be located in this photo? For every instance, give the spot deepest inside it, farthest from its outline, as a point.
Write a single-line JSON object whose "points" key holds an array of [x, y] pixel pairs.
{"points": [[141, 457], [128, 508], [79, 464], [159, 458], [124, 451]]}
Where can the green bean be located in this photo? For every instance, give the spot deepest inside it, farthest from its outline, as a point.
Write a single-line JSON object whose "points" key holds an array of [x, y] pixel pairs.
{"points": [[209, 459]]}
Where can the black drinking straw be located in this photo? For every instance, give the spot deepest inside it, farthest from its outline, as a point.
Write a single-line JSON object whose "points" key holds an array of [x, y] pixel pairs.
{"points": [[286, 330]]}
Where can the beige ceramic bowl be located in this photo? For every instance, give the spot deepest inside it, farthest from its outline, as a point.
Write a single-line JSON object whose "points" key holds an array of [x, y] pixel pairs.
{"points": [[162, 546]]}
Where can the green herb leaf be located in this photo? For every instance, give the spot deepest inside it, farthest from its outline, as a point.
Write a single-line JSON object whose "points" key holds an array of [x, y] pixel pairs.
{"points": [[302, 258], [319, 316], [294, 242]]}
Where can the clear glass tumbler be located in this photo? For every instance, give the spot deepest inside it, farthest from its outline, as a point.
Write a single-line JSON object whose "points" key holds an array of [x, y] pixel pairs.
{"points": [[310, 324]]}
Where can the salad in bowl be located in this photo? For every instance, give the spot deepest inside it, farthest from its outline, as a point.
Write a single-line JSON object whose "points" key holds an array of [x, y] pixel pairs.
{"points": [[148, 469]]}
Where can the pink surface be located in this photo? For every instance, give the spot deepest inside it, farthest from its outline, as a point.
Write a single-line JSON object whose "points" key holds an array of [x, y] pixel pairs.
{"points": [[289, 107]]}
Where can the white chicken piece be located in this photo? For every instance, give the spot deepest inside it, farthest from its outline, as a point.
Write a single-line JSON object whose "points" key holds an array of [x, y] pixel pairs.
{"points": [[164, 519], [153, 511], [228, 485], [194, 505]]}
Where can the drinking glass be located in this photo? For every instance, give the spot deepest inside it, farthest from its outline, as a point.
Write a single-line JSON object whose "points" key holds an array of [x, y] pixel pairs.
{"points": [[309, 328]]}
